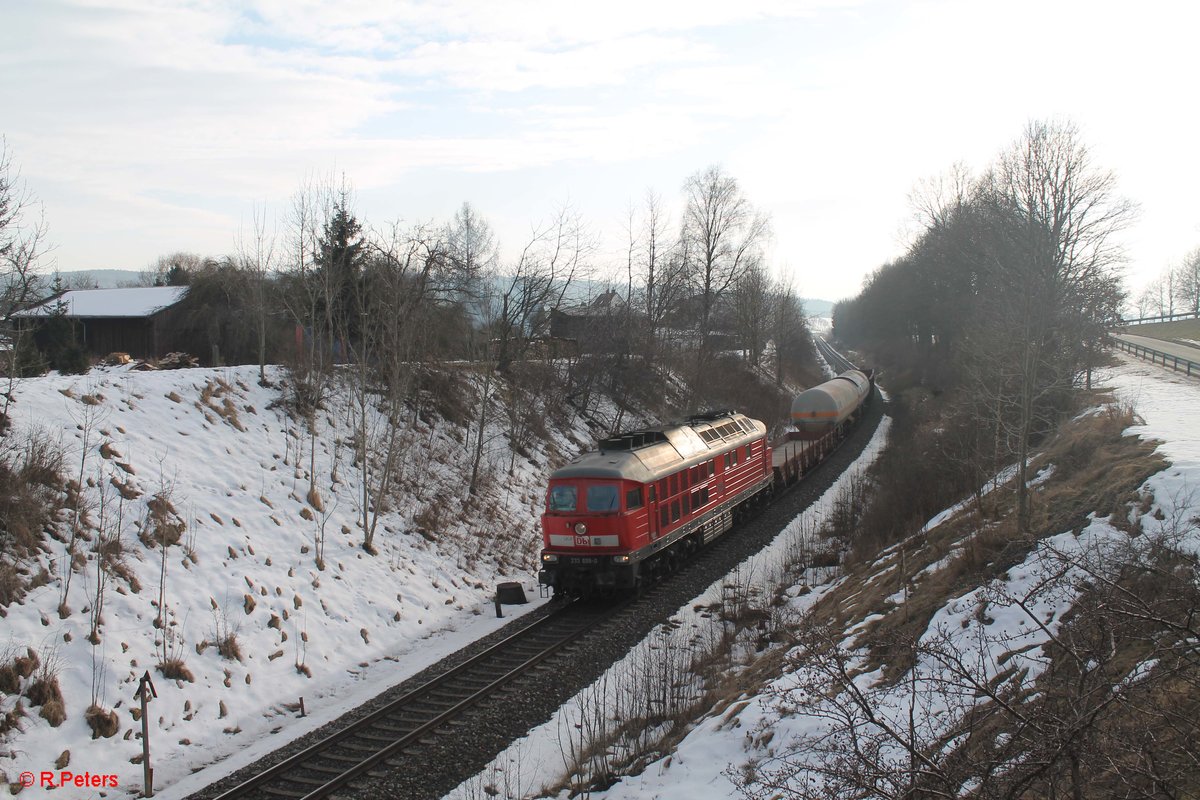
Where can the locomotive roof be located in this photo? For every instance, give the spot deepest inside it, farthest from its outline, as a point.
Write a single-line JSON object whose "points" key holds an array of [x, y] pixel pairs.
{"points": [[646, 455]]}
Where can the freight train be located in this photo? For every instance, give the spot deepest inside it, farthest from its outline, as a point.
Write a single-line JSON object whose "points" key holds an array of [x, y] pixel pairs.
{"points": [[632, 509]]}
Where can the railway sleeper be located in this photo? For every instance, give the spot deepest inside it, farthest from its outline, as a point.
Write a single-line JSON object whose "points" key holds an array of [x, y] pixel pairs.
{"points": [[346, 758], [324, 769], [382, 738], [397, 730], [305, 780]]}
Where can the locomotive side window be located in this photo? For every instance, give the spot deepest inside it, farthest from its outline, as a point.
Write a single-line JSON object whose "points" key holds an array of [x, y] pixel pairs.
{"points": [[696, 501], [683, 480], [602, 497], [687, 508], [712, 467], [674, 484], [633, 499], [562, 498], [650, 492], [664, 517], [675, 511], [735, 455], [662, 489], [704, 496]]}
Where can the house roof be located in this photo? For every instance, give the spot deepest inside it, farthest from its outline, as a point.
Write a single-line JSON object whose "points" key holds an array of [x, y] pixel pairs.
{"points": [[137, 302]]}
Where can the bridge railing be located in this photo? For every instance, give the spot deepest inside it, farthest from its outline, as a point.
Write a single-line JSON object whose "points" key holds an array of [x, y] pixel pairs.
{"points": [[1177, 363], [1162, 318]]}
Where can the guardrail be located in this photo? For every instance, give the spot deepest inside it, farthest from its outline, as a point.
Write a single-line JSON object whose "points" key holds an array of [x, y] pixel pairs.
{"points": [[1176, 363], [1162, 318]]}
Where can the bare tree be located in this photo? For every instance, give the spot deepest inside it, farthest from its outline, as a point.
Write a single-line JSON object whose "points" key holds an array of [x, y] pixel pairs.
{"points": [[752, 307], [405, 268], [172, 269], [1056, 215], [555, 256], [1188, 281], [661, 267], [23, 244], [724, 237], [256, 255]]}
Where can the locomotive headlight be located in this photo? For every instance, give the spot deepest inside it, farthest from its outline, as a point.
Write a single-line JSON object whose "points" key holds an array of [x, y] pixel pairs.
{"points": [[624, 559], [580, 528], [549, 558]]}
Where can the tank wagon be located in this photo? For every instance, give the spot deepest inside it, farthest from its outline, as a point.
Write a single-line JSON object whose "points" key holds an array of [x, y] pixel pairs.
{"points": [[822, 409]]}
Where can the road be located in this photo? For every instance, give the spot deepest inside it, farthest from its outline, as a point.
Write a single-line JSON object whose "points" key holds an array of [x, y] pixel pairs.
{"points": [[1162, 346]]}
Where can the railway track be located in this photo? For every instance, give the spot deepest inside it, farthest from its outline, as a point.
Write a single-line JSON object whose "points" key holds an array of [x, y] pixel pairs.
{"points": [[396, 732], [835, 359]]}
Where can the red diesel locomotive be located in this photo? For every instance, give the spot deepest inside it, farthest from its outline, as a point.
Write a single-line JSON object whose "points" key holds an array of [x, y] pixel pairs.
{"points": [[648, 497]]}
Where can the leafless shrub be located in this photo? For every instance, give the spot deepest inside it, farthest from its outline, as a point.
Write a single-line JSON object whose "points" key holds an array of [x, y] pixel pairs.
{"points": [[225, 636], [171, 651]]}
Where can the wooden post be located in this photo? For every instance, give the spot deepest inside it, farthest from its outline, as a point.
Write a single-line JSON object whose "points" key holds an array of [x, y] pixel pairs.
{"points": [[145, 693], [302, 707], [499, 613]]}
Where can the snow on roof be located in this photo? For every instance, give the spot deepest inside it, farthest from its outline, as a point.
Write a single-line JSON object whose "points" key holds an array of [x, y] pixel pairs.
{"points": [[137, 302]]}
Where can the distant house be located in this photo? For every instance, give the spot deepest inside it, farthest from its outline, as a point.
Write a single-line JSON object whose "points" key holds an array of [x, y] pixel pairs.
{"points": [[107, 320], [592, 324]]}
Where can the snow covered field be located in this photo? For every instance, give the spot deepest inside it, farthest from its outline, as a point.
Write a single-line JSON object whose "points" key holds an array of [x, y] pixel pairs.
{"points": [[236, 471]]}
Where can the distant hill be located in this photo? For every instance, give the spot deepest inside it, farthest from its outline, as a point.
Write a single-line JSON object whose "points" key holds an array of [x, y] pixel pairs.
{"points": [[100, 278], [817, 308]]}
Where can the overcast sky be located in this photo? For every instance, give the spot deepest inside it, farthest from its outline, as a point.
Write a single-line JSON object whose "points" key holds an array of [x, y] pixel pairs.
{"points": [[149, 126]]}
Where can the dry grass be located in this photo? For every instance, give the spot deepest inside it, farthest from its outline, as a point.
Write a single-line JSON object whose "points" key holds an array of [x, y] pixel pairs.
{"points": [[1097, 471], [175, 669], [103, 722], [31, 487], [163, 526]]}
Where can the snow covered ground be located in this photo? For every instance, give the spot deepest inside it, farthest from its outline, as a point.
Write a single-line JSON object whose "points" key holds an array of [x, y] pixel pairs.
{"points": [[237, 473], [706, 762]]}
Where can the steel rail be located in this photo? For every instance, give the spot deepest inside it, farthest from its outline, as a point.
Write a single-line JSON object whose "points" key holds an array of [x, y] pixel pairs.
{"points": [[303, 759]]}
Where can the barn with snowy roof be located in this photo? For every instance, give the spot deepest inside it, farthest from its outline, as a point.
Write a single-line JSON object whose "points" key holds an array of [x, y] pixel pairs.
{"points": [[108, 320]]}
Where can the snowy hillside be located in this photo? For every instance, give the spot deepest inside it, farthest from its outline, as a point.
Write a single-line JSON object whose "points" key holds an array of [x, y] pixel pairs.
{"points": [[787, 725], [206, 460]]}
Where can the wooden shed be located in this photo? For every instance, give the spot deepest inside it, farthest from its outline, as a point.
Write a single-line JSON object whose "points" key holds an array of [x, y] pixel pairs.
{"points": [[108, 320]]}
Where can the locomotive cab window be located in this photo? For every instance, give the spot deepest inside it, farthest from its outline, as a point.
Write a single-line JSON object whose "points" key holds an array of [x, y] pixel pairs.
{"points": [[633, 499], [602, 497], [562, 498]]}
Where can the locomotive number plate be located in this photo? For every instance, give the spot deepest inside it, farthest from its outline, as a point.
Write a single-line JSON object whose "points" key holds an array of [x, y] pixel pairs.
{"points": [[585, 560], [582, 541]]}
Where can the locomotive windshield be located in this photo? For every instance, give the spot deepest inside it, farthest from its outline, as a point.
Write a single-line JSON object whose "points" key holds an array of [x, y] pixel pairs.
{"points": [[602, 497], [562, 498]]}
